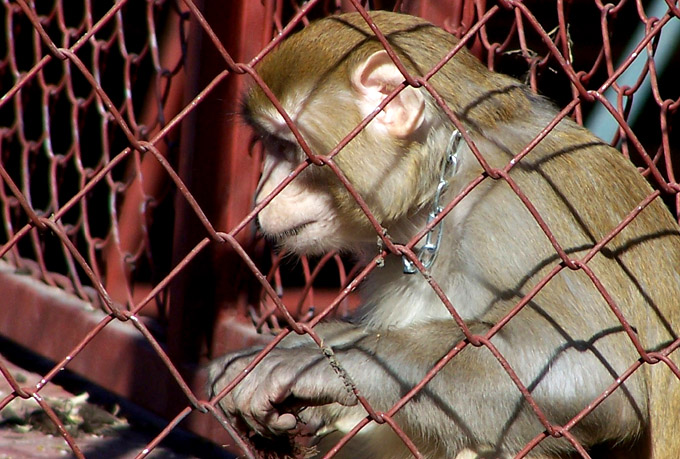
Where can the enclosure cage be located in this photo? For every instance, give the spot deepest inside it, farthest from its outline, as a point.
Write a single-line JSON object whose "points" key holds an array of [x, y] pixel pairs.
{"points": [[130, 253]]}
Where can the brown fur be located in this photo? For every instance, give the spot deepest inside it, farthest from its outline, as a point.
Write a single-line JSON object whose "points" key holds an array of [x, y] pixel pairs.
{"points": [[566, 345]]}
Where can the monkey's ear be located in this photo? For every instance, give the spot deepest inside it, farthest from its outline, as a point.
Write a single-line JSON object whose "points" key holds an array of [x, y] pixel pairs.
{"points": [[374, 79]]}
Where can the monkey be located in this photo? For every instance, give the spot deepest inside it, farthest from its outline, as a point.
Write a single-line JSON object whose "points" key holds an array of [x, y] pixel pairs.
{"points": [[488, 254]]}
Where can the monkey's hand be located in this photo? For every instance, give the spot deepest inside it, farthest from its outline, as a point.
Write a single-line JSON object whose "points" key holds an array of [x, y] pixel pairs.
{"points": [[279, 395]]}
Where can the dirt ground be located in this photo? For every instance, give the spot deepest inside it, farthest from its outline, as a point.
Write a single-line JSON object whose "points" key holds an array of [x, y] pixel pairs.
{"points": [[101, 432]]}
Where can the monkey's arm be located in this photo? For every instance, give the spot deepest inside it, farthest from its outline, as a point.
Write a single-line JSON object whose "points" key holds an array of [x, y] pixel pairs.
{"points": [[384, 365]]}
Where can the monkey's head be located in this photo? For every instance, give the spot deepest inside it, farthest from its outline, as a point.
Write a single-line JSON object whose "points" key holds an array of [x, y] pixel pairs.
{"points": [[328, 78]]}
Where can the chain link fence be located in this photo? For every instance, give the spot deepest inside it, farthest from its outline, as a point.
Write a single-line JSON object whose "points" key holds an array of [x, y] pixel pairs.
{"points": [[129, 250]]}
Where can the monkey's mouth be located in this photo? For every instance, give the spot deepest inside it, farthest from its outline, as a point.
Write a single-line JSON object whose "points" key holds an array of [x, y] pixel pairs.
{"points": [[294, 231]]}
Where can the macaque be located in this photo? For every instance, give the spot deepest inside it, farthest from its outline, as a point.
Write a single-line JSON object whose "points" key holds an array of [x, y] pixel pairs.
{"points": [[566, 345]]}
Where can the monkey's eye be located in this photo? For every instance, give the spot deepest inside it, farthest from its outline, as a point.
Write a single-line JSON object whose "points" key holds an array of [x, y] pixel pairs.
{"points": [[279, 147]]}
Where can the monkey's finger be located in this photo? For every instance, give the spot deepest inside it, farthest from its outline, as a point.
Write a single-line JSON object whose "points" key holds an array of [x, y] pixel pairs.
{"points": [[269, 421], [281, 422], [233, 414], [238, 405], [261, 413]]}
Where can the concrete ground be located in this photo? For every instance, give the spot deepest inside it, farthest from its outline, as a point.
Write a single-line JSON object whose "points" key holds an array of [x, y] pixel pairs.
{"points": [[101, 431]]}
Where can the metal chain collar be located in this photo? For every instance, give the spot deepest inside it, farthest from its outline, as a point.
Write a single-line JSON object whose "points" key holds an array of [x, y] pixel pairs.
{"points": [[428, 252]]}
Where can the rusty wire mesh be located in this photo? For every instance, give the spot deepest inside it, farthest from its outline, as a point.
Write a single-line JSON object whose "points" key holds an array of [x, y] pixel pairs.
{"points": [[95, 96]]}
